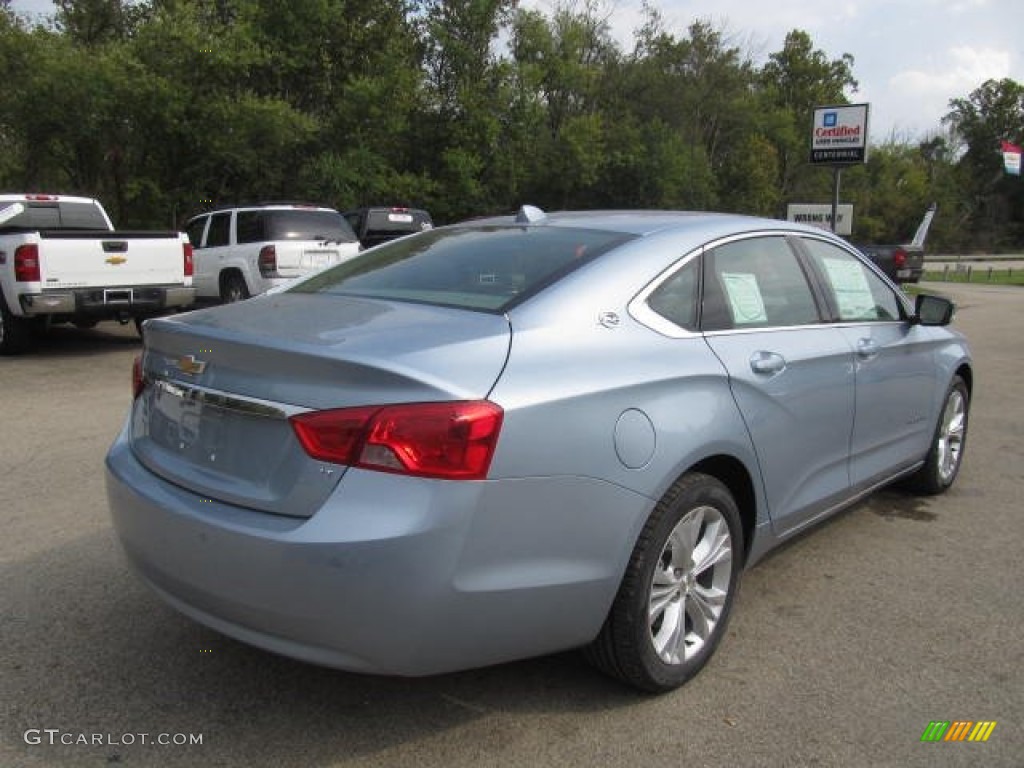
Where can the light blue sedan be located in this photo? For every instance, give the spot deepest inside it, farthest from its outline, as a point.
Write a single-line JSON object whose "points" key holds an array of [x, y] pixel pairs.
{"points": [[525, 434]]}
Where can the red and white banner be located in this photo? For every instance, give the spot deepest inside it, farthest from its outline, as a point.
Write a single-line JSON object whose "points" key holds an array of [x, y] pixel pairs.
{"points": [[1011, 158]]}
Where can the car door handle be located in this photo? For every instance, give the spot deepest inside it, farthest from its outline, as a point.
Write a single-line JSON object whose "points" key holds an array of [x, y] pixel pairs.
{"points": [[767, 362], [867, 349]]}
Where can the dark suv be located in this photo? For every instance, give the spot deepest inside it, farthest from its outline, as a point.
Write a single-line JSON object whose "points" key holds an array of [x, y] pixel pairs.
{"points": [[378, 225]]}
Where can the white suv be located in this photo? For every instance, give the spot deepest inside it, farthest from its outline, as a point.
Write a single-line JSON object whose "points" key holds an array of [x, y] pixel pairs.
{"points": [[245, 250]]}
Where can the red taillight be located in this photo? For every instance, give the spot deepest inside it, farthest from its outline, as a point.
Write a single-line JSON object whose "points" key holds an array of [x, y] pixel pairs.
{"points": [[267, 261], [41, 198], [190, 265], [448, 440], [138, 377], [899, 258], [26, 263]]}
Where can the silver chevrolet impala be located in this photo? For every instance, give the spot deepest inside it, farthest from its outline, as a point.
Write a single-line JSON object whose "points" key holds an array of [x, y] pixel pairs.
{"points": [[525, 434]]}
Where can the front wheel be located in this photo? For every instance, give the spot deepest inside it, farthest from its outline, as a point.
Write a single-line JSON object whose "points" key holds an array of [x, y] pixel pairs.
{"points": [[675, 598], [942, 464]]}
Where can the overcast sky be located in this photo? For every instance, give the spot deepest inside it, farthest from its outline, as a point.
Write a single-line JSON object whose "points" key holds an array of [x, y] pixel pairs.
{"points": [[910, 56]]}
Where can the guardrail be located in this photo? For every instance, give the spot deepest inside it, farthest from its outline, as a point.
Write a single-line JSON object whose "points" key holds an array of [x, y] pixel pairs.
{"points": [[976, 273]]}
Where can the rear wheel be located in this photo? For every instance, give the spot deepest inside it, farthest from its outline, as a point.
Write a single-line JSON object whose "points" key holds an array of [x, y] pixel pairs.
{"points": [[942, 464], [675, 598], [15, 332], [233, 288]]}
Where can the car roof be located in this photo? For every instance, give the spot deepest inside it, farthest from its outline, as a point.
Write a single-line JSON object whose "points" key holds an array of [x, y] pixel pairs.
{"points": [[272, 206], [644, 223], [392, 208]]}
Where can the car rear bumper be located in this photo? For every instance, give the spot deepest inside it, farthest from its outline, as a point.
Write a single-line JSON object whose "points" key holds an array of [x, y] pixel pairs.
{"points": [[131, 301], [392, 575]]}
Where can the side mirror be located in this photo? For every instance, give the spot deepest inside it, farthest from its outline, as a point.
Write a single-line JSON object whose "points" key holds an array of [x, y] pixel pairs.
{"points": [[933, 310]]}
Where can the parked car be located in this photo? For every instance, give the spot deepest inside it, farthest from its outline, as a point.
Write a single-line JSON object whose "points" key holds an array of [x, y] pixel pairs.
{"points": [[62, 261], [374, 226], [242, 251], [515, 436]]}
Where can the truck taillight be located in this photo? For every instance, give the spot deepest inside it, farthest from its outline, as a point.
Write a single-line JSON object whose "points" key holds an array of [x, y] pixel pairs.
{"points": [[445, 440], [899, 258], [267, 261], [190, 265], [26, 263]]}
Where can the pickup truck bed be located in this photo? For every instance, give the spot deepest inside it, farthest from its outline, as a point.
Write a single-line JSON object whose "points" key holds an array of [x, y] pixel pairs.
{"points": [[903, 263]]}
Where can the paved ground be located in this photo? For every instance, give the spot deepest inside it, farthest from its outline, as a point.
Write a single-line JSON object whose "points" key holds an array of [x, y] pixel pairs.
{"points": [[842, 648]]}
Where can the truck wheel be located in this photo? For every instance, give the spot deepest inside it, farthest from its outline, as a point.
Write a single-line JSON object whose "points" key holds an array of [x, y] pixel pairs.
{"points": [[233, 288], [15, 333]]}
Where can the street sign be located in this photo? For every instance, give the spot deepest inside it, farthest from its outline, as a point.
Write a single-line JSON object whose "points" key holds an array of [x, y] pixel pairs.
{"points": [[839, 135], [821, 216]]}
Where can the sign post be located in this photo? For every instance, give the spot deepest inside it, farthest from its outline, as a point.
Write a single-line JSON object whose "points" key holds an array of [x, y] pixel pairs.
{"points": [[839, 136]]}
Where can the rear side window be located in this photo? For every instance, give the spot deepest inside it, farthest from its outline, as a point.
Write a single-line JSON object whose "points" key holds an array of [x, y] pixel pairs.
{"points": [[756, 283], [249, 227], [488, 269], [858, 294], [676, 298]]}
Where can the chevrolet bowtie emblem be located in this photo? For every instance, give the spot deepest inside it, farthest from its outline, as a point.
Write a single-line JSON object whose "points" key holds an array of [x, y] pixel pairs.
{"points": [[188, 364], [116, 260]]}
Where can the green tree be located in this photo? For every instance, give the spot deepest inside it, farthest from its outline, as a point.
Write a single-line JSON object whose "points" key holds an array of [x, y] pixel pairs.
{"points": [[993, 201], [794, 81]]}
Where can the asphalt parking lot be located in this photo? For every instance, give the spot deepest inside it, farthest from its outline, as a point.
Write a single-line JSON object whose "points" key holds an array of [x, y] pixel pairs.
{"points": [[843, 646]]}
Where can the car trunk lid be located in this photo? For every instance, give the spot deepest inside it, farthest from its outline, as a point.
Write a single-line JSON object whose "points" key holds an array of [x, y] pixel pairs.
{"points": [[223, 382]]}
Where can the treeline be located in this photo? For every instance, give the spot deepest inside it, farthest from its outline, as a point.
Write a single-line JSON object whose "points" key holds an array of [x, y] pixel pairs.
{"points": [[465, 107]]}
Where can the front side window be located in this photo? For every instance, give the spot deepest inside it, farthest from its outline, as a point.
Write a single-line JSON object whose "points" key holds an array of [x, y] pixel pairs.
{"points": [[487, 269], [756, 283], [857, 293]]}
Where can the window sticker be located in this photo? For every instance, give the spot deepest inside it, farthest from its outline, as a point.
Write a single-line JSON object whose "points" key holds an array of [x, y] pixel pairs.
{"points": [[744, 298], [856, 302]]}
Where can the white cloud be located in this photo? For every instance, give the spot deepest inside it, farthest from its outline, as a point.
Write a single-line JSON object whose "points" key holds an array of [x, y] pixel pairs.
{"points": [[921, 96]]}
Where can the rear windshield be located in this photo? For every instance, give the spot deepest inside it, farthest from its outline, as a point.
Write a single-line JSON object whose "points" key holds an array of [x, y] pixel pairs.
{"points": [[397, 221], [56, 215], [487, 269], [265, 225]]}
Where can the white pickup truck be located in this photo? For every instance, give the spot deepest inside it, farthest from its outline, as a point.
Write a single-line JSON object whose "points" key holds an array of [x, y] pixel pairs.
{"points": [[61, 260]]}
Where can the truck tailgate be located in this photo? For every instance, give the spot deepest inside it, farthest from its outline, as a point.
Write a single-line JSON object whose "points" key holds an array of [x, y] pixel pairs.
{"points": [[83, 259]]}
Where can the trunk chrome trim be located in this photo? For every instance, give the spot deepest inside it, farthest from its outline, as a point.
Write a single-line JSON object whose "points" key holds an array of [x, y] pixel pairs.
{"points": [[247, 406]]}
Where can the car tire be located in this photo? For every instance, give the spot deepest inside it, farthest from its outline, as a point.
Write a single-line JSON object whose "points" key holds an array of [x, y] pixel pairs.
{"points": [[233, 288], [15, 332], [675, 598], [942, 464]]}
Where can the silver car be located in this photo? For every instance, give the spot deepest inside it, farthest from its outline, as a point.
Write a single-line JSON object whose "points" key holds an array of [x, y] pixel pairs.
{"points": [[526, 434]]}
